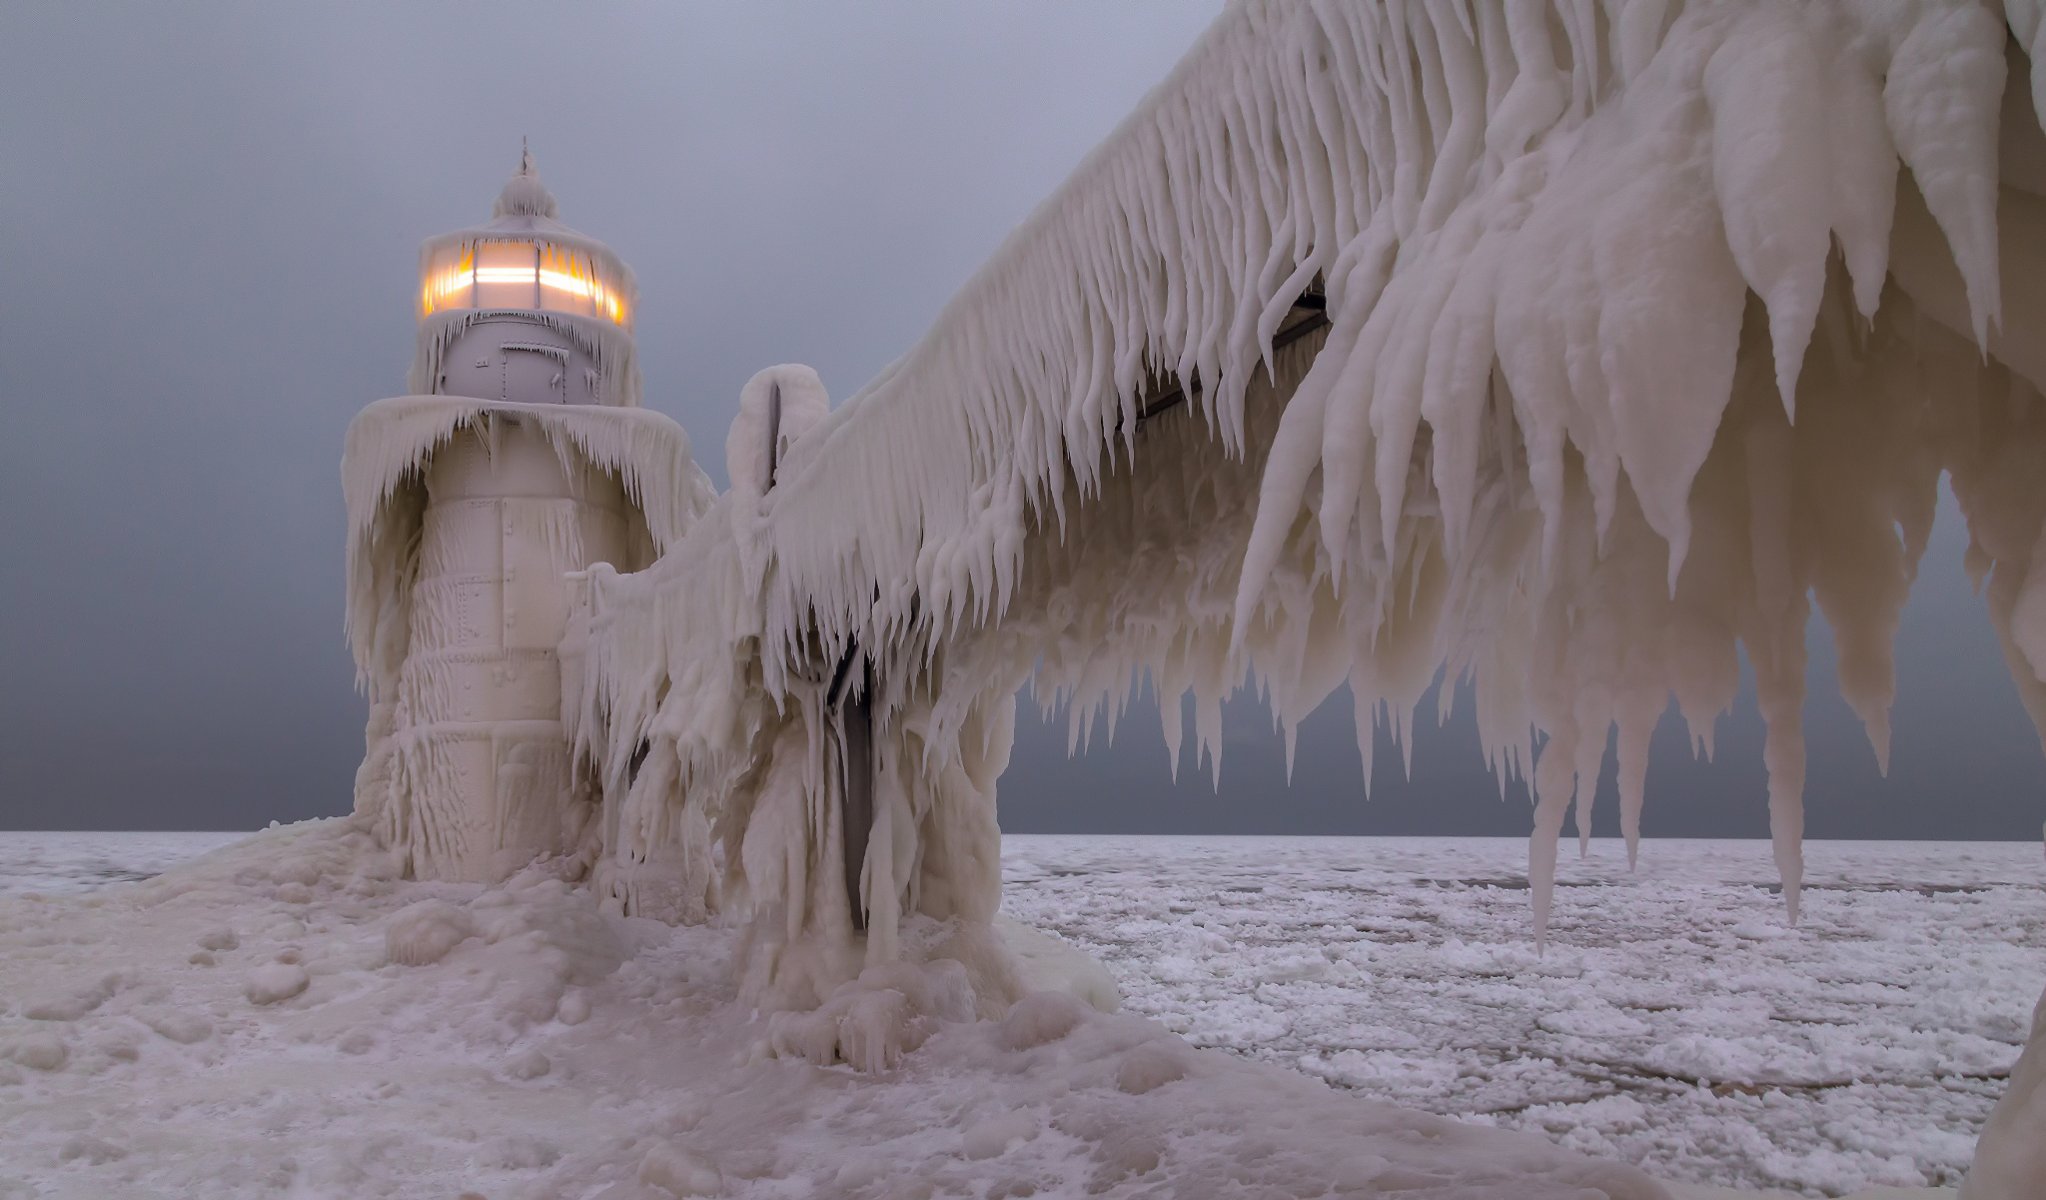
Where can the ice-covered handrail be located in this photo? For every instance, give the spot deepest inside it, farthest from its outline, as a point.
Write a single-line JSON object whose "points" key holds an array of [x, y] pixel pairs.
{"points": [[1650, 325]]}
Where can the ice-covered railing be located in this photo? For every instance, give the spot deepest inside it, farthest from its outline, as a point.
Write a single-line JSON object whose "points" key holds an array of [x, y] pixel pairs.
{"points": [[1541, 230]]}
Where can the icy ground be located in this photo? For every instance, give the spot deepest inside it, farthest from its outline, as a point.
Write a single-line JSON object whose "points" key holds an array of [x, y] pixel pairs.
{"points": [[283, 1017], [62, 863], [1399, 967], [1675, 1021]]}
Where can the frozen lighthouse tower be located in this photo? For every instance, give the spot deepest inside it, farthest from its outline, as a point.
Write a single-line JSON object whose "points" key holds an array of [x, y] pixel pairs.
{"points": [[521, 456]]}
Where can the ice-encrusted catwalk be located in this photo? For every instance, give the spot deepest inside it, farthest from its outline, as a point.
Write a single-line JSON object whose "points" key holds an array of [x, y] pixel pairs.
{"points": [[1645, 328]]}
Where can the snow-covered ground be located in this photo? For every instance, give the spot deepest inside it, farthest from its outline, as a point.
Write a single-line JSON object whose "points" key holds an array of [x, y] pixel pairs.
{"points": [[283, 1017], [1674, 1021]]}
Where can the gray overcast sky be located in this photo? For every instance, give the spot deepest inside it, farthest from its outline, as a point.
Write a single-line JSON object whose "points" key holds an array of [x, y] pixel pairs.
{"points": [[209, 216]]}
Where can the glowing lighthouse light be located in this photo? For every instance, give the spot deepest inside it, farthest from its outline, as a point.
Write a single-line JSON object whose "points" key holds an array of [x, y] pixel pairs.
{"points": [[522, 274]]}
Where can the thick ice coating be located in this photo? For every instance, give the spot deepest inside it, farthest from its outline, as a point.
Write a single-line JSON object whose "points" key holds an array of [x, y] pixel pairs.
{"points": [[1572, 347], [523, 458], [1647, 325], [777, 406], [464, 518]]}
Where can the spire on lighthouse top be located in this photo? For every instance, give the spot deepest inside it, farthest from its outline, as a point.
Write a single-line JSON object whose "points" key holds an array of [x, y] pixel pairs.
{"points": [[524, 195]]}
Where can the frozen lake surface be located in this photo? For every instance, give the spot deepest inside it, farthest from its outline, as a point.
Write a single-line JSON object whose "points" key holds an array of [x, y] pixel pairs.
{"points": [[63, 863], [1674, 1022]]}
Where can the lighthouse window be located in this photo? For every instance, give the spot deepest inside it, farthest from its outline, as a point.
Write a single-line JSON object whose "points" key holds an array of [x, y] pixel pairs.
{"points": [[513, 274], [507, 275]]}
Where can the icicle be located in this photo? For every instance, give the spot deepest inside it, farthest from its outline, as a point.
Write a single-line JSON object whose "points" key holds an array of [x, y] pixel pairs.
{"points": [[1553, 789], [1637, 726]]}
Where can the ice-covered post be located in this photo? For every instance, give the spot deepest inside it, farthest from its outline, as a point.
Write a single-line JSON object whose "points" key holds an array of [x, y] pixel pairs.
{"points": [[773, 430], [849, 708]]}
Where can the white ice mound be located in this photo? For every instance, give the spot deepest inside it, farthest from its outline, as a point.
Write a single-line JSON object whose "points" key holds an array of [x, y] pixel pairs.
{"points": [[1048, 963], [37, 1051], [679, 1171], [274, 982], [870, 1022], [424, 932], [1041, 1018], [2010, 1158]]}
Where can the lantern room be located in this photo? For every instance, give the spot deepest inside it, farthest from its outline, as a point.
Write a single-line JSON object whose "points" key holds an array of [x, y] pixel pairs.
{"points": [[525, 310], [522, 273]]}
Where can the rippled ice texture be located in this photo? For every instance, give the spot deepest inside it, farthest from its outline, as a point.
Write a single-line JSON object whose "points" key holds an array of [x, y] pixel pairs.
{"points": [[62, 863], [1675, 1022]]}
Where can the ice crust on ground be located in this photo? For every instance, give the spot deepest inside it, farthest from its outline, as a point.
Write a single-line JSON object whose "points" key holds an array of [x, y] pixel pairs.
{"points": [[1675, 1023], [563, 1052]]}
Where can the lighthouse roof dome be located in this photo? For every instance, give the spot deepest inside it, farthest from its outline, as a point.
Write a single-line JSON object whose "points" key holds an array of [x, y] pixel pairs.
{"points": [[524, 195]]}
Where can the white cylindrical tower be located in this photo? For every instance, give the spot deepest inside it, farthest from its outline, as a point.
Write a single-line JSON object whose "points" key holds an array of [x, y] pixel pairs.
{"points": [[523, 456]]}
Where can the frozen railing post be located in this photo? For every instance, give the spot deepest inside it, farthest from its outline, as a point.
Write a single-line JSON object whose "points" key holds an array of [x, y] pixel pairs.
{"points": [[773, 430], [849, 709], [852, 705]]}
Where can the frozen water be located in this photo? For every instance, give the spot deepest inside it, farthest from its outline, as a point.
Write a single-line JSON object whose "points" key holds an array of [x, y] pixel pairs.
{"points": [[57, 863], [1676, 1021], [239, 1026]]}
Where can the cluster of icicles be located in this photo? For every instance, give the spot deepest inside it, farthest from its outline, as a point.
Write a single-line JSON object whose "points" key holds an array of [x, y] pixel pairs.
{"points": [[1649, 325]]}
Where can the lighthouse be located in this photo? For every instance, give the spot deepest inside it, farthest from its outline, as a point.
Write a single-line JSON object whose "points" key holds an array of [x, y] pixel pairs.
{"points": [[522, 455]]}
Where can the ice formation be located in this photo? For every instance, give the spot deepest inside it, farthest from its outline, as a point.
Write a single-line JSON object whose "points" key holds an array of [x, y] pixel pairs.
{"points": [[1574, 348], [2010, 1160], [777, 406], [1646, 326], [560, 1052]]}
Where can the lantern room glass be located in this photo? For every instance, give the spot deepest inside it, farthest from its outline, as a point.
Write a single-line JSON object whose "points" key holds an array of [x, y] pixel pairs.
{"points": [[521, 274]]}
